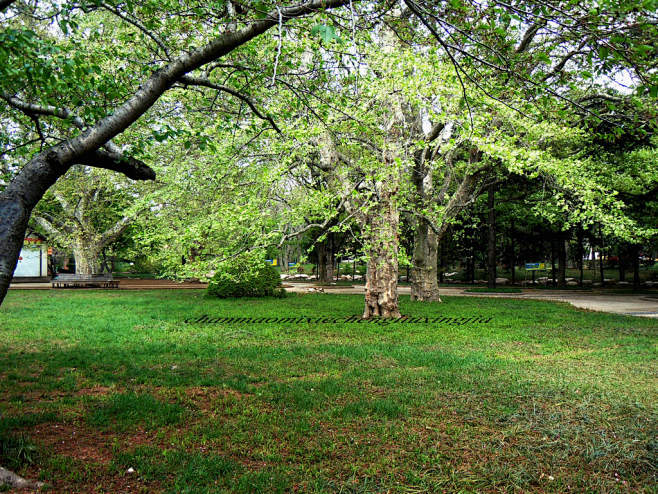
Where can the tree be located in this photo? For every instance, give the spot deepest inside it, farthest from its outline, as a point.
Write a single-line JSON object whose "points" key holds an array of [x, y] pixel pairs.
{"points": [[86, 212], [89, 141]]}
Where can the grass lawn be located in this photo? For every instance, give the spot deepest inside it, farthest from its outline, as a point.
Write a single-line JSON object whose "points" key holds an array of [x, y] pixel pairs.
{"points": [[543, 398]]}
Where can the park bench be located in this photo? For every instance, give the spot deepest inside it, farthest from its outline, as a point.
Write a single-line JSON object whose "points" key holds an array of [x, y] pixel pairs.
{"points": [[65, 280]]}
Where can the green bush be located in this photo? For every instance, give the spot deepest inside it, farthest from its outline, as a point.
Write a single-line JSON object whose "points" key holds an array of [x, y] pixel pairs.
{"points": [[245, 276]]}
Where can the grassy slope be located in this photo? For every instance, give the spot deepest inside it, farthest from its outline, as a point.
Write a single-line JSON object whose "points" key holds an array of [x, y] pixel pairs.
{"points": [[543, 398]]}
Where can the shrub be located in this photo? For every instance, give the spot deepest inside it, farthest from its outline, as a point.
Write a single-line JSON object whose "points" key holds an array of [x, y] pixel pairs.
{"points": [[245, 276]]}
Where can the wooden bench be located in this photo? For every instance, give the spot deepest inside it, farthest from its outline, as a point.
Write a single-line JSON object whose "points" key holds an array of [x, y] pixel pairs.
{"points": [[65, 280]]}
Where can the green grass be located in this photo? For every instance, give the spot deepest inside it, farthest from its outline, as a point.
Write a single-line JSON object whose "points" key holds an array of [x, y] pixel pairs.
{"points": [[543, 398]]}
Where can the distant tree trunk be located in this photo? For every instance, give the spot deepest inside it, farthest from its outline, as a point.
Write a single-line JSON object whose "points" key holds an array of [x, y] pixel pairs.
{"points": [[636, 266], [601, 259], [491, 241], [581, 255], [513, 252], [87, 258], [320, 248], [623, 251], [553, 278], [326, 261], [330, 259], [592, 261], [562, 263], [382, 239]]}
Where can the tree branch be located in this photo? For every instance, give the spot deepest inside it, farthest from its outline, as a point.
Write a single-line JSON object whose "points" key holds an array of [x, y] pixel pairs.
{"points": [[111, 234], [10, 478], [47, 226], [200, 81], [33, 110], [529, 35], [115, 161], [156, 39], [161, 80]]}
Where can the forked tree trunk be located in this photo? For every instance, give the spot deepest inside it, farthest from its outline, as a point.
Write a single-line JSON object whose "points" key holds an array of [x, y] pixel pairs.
{"points": [[424, 282], [382, 238]]}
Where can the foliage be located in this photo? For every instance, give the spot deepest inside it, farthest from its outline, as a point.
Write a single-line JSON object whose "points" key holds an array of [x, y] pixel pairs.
{"points": [[246, 275]]}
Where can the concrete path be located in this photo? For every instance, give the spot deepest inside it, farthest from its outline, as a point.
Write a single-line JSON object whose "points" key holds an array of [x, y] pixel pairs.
{"points": [[631, 304]]}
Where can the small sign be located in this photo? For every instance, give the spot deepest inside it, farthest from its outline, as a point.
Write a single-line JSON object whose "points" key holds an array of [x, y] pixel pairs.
{"points": [[292, 264], [271, 261], [535, 266]]}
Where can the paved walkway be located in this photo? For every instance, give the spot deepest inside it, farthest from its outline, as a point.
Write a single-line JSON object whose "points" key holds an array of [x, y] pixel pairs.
{"points": [[631, 304]]}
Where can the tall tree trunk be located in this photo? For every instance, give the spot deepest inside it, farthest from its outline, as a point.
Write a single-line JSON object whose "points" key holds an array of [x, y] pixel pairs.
{"points": [[601, 259], [383, 241], [424, 282], [491, 241], [553, 278], [16, 204], [513, 252], [581, 255], [562, 263]]}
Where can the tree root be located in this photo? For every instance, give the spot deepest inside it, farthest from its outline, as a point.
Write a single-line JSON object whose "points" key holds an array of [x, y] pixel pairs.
{"points": [[13, 480]]}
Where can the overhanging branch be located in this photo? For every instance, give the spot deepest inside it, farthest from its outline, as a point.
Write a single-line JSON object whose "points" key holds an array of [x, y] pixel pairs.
{"points": [[130, 167]]}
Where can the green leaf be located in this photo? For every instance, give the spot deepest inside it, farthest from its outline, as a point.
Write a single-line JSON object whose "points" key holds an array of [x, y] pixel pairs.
{"points": [[327, 33]]}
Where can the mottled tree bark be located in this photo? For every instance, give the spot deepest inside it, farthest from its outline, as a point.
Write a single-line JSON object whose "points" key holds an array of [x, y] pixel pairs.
{"points": [[382, 239], [87, 258], [425, 286], [424, 282]]}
